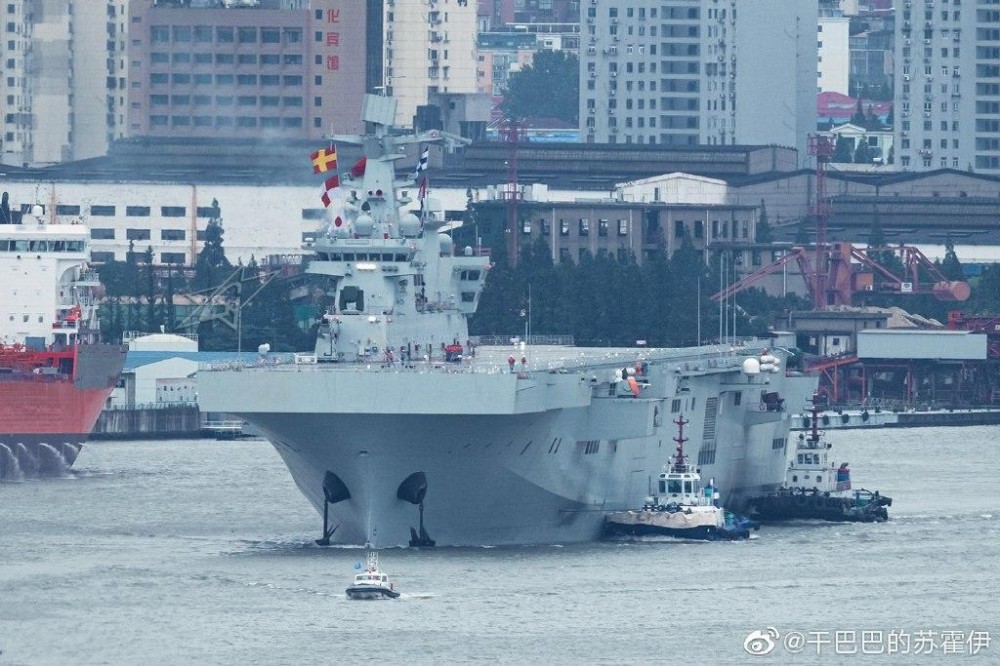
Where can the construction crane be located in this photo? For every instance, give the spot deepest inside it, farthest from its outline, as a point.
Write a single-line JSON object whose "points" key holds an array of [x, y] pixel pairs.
{"points": [[849, 271], [988, 324], [224, 302]]}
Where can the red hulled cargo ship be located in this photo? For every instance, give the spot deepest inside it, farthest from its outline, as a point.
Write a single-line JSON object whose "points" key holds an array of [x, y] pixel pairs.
{"points": [[55, 374]]}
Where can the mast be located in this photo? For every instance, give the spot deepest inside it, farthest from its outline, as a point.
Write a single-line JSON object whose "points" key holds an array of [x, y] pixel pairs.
{"points": [[680, 464]]}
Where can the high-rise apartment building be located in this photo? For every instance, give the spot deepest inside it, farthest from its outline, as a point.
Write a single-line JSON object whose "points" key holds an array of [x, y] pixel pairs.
{"points": [[684, 72], [430, 47], [834, 51], [250, 68], [63, 78], [947, 105]]}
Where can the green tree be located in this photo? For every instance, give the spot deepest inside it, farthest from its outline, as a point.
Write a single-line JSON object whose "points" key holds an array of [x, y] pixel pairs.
{"points": [[550, 86], [212, 266], [859, 117], [842, 153], [951, 267], [687, 270], [764, 234], [862, 155], [152, 319]]}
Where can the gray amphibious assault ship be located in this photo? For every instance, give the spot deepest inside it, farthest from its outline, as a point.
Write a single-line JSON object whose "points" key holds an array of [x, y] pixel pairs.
{"points": [[399, 431]]}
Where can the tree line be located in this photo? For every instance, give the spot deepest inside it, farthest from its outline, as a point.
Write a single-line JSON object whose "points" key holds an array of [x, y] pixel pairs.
{"points": [[141, 296], [599, 300]]}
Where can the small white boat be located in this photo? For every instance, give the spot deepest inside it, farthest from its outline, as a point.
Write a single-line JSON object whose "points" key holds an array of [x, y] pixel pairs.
{"points": [[817, 488], [682, 508], [372, 583]]}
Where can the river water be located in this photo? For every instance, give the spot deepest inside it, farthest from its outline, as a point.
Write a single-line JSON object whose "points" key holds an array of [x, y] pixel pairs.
{"points": [[201, 552]]}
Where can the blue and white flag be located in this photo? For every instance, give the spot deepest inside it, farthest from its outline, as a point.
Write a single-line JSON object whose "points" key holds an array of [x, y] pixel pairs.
{"points": [[422, 163]]}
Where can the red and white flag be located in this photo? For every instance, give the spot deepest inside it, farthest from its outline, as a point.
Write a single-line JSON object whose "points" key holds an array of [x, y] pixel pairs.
{"points": [[331, 190]]}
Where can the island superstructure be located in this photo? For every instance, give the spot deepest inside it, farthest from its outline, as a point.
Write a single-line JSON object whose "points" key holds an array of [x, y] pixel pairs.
{"points": [[396, 419]]}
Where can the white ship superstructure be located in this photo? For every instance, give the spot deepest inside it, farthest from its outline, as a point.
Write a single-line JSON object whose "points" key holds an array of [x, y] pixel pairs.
{"points": [[395, 418]]}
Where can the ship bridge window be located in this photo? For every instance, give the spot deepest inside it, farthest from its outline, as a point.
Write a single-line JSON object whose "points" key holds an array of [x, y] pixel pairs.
{"points": [[38, 246], [688, 487], [401, 257], [470, 275], [674, 486], [348, 256], [468, 296], [663, 486], [20, 246], [336, 257]]}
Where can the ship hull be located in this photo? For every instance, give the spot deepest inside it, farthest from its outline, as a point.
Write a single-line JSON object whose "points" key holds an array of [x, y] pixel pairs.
{"points": [[507, 460], [44, 421]]}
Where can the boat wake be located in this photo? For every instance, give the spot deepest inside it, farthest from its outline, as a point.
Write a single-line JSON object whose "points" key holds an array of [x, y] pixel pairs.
{"points": [[19, 462]]}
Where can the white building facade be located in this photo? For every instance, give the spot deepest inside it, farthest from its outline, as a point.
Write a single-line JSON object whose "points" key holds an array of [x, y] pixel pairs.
{"points": [[430, 47], [947, 106], [834, 54], [62, 93], [692, 72]]}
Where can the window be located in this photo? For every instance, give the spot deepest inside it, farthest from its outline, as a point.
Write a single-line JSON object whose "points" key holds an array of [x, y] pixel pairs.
{"points": [[270, 36], [102, 211], [172, 234], [622, 227], [563, 227], [101, 257], [137, 211], [584, 227], [172, 257], [172, 211], [62, 209], [102, 234], [137, 234], [247, 35], [202, 34]]}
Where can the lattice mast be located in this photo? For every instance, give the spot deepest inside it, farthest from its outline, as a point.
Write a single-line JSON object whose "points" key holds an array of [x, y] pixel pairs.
{"points": [[822, 147]]}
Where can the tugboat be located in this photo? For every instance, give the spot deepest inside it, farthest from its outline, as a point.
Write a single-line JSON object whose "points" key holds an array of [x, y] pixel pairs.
{"points": [[372, 583], [817, 488], [682, 507]]}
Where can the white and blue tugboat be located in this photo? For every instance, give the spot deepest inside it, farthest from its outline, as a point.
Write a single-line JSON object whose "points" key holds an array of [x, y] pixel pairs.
{"points": [[372, 583], [681, 508], [816, 487]]}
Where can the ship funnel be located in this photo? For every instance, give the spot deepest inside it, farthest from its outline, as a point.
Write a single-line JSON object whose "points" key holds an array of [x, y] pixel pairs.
{"points": [[334, 489], [413, 488]]}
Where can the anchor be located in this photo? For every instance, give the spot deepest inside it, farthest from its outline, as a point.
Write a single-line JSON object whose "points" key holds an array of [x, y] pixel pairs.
{"points": [[412, 490], [334, 490]]}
